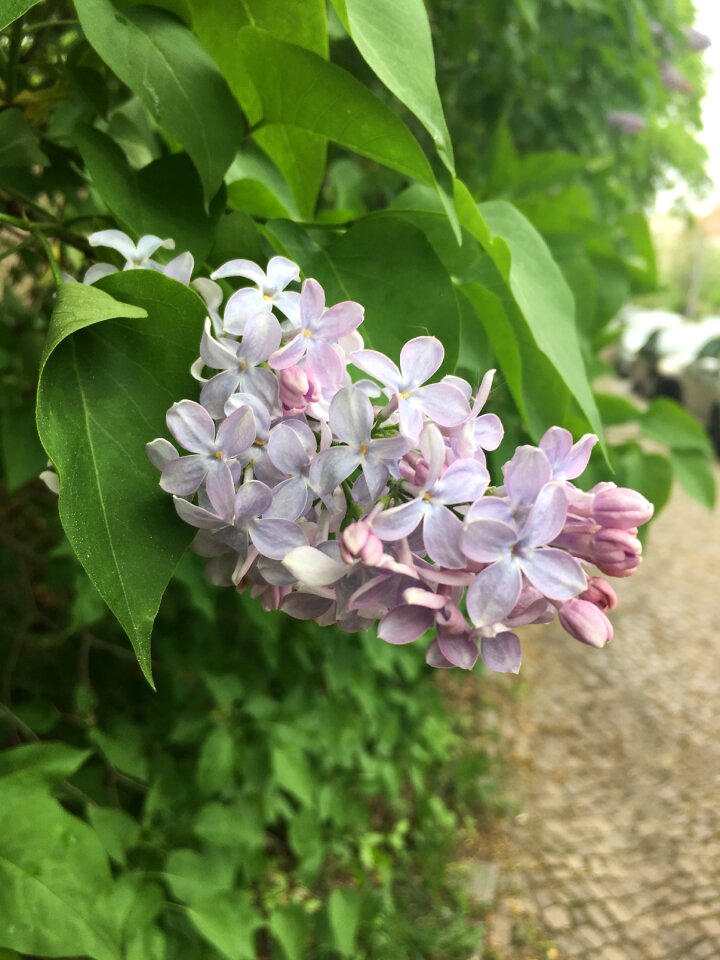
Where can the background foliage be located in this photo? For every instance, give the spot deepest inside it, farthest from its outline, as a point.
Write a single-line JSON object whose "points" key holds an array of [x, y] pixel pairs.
{"points": [[287, 791]]}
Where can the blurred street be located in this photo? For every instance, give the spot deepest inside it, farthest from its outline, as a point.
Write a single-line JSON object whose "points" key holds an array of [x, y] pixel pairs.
{"points": [[616, 853]]}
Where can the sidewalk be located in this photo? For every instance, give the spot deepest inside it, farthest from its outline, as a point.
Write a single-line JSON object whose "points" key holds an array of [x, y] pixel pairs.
{"points": [[616, 855]]}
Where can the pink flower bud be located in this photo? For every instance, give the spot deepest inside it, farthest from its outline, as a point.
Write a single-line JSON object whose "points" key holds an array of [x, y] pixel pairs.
{"points": [[621, 508], [616, 552], [414, 469], [600, 593], [586, 622], [358, 542], [298, 389]]}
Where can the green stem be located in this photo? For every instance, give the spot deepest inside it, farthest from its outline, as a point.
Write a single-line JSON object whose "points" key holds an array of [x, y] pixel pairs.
{"points": [[16, 248], [43, 24], [54, 265], [13, 60]]}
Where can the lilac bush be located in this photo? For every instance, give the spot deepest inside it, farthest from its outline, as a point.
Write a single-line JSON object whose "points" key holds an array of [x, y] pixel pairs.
{"points": [[368, 501]]}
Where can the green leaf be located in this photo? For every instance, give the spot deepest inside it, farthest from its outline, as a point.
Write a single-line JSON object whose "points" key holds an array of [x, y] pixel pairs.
{"points": [[298, 88], [666, 421], [107, 379], [22, 453], [394, 38], [116, 830], [298, 154], [228, 923], [149, 201], [55, 883], [12, 9], [123, 746], [538, 287], [19, 145], [649, 473], [344, 916], [289, 927], [238, 825], [194, 876], [215, 762], [166, 67], [615, 410], [693, 469], [37, 764], [292, 772], [388, 265]]}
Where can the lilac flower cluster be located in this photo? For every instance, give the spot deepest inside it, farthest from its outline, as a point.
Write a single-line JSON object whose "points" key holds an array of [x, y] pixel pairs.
{"points": [[368, 501]]}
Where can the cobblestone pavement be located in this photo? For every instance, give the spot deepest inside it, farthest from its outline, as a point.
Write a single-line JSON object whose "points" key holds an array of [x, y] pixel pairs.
{"points": [[616, 853]]}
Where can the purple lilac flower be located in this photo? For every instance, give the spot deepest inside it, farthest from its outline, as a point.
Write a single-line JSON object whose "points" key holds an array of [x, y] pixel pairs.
{"points": [[351, 421], [241, 365], [512, 553], [420, 358], [335, 507], [269, 290], [193, 428], [626, 122], [463, 482], [320, 329]]}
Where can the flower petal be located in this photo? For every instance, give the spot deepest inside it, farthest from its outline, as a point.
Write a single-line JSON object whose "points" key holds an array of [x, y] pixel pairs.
{"points": [[290, 354], [494, 592], [291, 499], [444, 404], [313, 567], [340, 320], [237, 432], [553, 572], [351, 416], [192, 426], [281, 272], [287, 450], [411, 418], [399, 522], [196, 516], [442, 533], [526, 474], [463, 482], [218, 354], [405, 623], [217, 391], [252, 499], [261, 339], [180, 268], [240, 268], [275, 538], [242, 309], [305, 606], [420, 358], [184, 475], [488, 431], [502, 653], [325, 362], [114, 240], [312, 303], [160, 452], [147, 245], [377, 365], [220, 489], [546, 518], [330, 468], [486, 541], [459, 649]]}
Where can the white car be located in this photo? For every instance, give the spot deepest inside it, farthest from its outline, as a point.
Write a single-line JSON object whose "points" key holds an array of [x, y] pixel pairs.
{"points": [[663, 358], [638, 325]]}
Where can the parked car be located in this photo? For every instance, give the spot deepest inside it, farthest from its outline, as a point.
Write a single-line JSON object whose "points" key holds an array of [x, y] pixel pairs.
{"points": [[637, 326], [700, 386], [666, 353]]}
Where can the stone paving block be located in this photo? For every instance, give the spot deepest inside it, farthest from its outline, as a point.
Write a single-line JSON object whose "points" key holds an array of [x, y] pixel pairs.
{"points": [[482, 882], [556, 917]]}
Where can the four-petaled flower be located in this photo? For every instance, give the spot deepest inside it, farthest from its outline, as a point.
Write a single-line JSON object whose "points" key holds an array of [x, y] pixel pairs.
{"points": [[420, 358]]}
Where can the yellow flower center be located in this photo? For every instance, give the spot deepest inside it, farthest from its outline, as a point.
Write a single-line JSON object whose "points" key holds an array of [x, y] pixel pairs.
{"points": [[267, 296], [307, 333], [405, 394], [363, 449], [259, 442], [426, 497], [218, 454]]}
